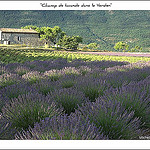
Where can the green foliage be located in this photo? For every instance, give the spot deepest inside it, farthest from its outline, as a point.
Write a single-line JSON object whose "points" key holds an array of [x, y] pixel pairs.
{"points": [[25, 110], [92, 45], [136, 49], [85, 48], [103, 27], [7, 79], [54, 75], [68, 98], [32, 77], [47, 33], [69, 42], [68, 84], [22, 56], [51, 34], [31, 27], [121, 46], [91, 92]]}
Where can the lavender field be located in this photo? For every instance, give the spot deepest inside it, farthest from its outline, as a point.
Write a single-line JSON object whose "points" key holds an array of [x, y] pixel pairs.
{"points": [[57, 99]]}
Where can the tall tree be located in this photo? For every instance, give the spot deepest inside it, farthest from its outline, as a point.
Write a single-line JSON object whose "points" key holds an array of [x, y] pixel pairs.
{"points": [[51, 35], [69, 42]]}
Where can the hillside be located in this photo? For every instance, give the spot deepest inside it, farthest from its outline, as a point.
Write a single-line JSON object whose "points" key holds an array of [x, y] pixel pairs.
{"points": [[103, 27]]}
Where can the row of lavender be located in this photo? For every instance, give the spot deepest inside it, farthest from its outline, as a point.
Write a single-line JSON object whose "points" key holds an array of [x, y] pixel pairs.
{"points": [[57, 99]]}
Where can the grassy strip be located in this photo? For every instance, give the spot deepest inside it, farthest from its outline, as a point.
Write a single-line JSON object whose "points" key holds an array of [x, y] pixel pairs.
{"points": [[22, 55]]}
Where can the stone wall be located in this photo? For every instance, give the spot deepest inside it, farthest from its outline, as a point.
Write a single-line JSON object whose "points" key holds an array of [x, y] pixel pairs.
{"points": [[22, 38]]}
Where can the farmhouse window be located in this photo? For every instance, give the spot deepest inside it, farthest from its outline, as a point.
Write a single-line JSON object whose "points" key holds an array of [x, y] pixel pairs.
{"points": [[19, 38], [0, 35]]}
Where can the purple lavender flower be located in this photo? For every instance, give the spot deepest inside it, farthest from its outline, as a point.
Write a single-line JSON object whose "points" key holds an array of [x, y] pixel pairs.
{"points": [[44, 86], [62, 128], [91, 87], [6, 132], [2, 69], [112, 118], [21, 70], [13, 91], [69, 99], [135, 97], [125, 74], [27, 109], [32, 77], [53, 74], [70, 71], [8, 79]]}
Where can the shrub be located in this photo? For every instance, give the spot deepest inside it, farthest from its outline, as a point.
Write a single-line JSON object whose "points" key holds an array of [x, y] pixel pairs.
{"points": [[69, 99], [3, 101], [91, 87], [21, 70], [62, 128], [44, 86], [68, 84], [32, 77], [27, 109], [13, 91], [2, 69], [70, 71], [114, 120], [84, 70], [6, 132], [133, 97], [84, 48], [8, 79], [54, 74]]}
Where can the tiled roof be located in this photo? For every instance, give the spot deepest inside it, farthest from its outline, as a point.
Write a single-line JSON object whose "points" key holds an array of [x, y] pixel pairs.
{"points": [[18, 30]]}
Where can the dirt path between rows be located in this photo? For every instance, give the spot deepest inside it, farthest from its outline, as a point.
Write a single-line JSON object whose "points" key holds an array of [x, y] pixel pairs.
{"points": [[118, 54]]}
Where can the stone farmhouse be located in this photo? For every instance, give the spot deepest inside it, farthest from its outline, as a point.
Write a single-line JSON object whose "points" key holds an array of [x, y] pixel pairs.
{"points": [[19, 36]]}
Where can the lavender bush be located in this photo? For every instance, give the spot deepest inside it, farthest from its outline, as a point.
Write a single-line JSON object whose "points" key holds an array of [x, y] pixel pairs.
{"points": [[70, 71], [69, 99], [67, 81], [27, 109], [8, 79], [6, 132], [133, 97], [62, 128], [91, 87], [2, 69], [21, 70], [114, 120], [126, 74], [44, 86], [3, 101], [113, 96], [13, 91], [54, 74], [32, 77]]}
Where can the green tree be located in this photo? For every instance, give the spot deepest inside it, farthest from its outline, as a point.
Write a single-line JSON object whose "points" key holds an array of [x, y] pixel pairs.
{"points": [[92, 45], [31, 27], [136, 49], [46, 34], [121, 46], [69, 42], [57, 34], [51, 35]]}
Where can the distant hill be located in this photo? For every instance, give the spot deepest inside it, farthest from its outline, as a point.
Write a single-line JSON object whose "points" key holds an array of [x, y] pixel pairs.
{"points": [[103, 27]]}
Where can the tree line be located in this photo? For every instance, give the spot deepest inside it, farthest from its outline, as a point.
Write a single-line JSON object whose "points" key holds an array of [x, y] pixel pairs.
{"points": [[56, 37]]}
